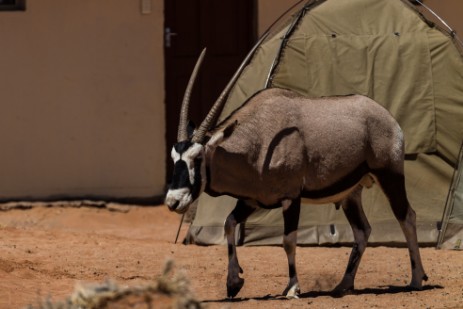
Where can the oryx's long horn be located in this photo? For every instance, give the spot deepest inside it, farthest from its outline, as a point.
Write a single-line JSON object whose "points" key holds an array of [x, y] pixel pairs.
{"points": [[218, 105], [182, 134]]}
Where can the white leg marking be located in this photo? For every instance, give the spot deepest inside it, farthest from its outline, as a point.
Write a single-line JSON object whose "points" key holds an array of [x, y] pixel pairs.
{"points": [[286, 204], [293, 293]]}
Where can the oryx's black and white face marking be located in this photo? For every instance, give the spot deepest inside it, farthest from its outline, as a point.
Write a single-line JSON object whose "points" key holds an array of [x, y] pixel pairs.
{"points": [[188, 180]]}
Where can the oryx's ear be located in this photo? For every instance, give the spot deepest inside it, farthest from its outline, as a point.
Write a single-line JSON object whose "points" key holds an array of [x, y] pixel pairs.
{"points": [[229, 129], [218, 137], [191, 127]]}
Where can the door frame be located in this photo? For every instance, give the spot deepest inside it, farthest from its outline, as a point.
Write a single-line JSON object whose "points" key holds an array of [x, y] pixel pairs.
{"points": [[252, 14]]}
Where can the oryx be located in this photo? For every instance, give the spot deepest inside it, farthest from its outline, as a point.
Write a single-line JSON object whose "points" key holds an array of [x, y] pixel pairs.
{"points": [[281, 146]]}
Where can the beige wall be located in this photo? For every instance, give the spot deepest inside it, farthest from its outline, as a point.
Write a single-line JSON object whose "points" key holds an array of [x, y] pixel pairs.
{"points": [[82, 97], [451, 11], [270, 10]]}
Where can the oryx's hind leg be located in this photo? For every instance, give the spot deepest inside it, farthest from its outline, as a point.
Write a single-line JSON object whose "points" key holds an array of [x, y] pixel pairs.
{"points": [[352, 207], [291, 211], [393, 185], [239, 214]]}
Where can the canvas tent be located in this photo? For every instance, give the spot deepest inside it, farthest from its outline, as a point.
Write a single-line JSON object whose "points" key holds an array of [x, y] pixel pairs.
{"points": [[384, 49]]}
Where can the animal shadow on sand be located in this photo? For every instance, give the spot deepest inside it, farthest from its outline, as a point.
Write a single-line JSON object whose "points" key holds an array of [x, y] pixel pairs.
{"points": [[381, 290]]}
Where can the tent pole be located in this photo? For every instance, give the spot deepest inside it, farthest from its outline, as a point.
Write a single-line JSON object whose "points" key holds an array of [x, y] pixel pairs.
{"points": [[179, 227], [282, 46], [308, 6], [452, 32]]}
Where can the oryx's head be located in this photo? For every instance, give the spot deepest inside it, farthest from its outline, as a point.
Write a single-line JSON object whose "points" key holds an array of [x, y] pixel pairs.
{"points": [[189, 177]]}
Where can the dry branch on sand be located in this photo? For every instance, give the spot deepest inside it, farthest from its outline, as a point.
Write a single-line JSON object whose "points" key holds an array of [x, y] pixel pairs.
{"points": [[168, 291]]}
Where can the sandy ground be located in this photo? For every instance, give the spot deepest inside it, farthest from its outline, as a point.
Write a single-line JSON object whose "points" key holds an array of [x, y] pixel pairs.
{"points": [[46, 251]]}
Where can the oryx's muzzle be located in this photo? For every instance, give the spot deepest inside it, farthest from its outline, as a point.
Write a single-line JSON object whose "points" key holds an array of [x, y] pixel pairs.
{"points": [[178, 200]]}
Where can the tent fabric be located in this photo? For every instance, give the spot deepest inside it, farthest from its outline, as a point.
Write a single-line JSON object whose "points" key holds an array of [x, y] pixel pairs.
{"points": [[379, 48]]}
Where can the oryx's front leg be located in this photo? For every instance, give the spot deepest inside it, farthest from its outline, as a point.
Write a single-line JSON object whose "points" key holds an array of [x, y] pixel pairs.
{"points": [[291, 210], [353, 210], [238, 215]]}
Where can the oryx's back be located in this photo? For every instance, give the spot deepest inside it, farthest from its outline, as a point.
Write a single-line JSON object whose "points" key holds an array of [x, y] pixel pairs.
{"points": [[308, 144]]}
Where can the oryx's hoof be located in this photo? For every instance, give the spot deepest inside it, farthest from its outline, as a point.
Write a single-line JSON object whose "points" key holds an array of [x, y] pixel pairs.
{"points": [[417, 285], [292, 292], [234, 286], [342, 290]]}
